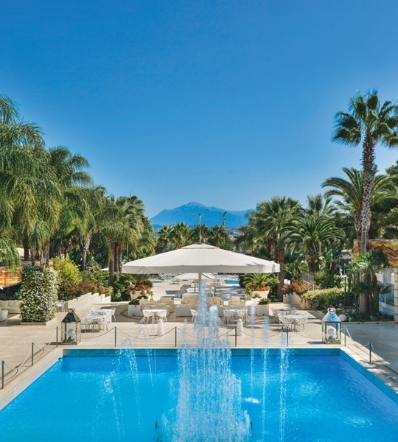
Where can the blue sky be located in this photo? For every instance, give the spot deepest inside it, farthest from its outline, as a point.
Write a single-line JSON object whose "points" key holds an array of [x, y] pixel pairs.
{"points": [[226, 103]]}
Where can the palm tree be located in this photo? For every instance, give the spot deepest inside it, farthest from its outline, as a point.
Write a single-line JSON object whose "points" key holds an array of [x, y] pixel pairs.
{"points": [[68, 167], [311, 234], [200, 233], [29, 192], [218, 235], [369, 122], [269, 221], [351, 193], [122, 224], [320, 205], [180, 235], [367, 265], [247, 239], [88, 225], [164, 235]]}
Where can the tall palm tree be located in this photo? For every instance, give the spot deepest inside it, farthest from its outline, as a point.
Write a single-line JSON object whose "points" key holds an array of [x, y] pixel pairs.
{"points": [[247, 239], [29, 192], [121, 224], [270, 220], [164, 236], [218, 235], [200, 233], [368, 122], [320, 205], [68, 167], [312, 233], [180, 235], [351, 191]]}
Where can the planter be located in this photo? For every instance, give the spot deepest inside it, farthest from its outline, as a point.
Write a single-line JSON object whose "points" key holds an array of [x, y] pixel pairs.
{"points": [[262, 310], [50, 322], [133, 310], [263, 294]]}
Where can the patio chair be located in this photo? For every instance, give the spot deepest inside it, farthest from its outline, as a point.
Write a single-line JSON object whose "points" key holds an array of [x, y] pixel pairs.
{"points": [[162, 315], [241, 314], [228, 314], [112, 311], [285, 323], [86, 321], [147, 314], [300, 323], [194, 313]]}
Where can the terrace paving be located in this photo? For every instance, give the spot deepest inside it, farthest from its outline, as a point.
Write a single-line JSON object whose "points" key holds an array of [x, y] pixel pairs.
{"points": [[16, 340]]}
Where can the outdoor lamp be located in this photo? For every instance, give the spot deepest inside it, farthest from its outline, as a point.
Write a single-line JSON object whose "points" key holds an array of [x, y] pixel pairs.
{"points": [[71, 328], [331, 327]]}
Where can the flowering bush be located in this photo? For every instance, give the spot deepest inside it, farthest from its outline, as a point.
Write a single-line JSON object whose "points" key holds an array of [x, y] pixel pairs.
{"points": [[299, 287], [88, 287], [38, 295]]}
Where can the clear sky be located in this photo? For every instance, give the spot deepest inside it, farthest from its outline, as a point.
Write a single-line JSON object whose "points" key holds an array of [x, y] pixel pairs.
{"points": [[226, 103]]}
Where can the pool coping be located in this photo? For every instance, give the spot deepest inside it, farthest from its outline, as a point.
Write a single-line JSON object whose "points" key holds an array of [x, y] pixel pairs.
{"points": [[16, 386], [378, 373]]}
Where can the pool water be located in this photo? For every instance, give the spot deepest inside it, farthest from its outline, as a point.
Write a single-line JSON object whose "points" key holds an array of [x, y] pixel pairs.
{"points": [[231, 281], [132, 398]]}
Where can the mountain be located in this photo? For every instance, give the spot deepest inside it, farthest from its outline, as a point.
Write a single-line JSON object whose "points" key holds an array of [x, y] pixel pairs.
{"points": [[189, 214]]}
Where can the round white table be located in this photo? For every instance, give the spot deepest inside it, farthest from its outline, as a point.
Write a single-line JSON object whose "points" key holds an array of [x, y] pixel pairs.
{"points": [[155, 311]]}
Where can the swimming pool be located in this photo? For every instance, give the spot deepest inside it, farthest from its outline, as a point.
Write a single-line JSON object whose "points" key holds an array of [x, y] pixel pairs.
{"points": [[231, 281], [132, 397]]}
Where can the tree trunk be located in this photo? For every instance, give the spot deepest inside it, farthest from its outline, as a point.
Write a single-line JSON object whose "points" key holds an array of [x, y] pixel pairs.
{"points": [[85, 243], [358, 228], [111, 278], [25, 252], [368, 159], [281, 276], [313, 265]]}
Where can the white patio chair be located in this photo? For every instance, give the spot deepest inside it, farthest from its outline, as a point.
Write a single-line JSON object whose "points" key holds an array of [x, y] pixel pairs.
{"points": [[147, 314], [86, 321], [162, 315], [285, 322], [194, 313], [112, 311], [228, 314], [300, 323], [241, 314]]}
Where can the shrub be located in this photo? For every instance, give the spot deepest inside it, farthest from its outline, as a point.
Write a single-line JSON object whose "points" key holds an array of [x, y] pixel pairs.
{"points": [[69, 277], [259, 281], [85, 287], [326, 280], [137, 300], [324, 297], [299, 287], [38, 295], [264, 301]]}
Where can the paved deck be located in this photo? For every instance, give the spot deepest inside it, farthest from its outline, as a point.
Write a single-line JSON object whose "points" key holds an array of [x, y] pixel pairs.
{"points": [[16, 340]]}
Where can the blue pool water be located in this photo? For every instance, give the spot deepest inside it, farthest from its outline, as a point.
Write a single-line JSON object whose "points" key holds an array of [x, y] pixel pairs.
{"points": [[231, 281], [312, 398]]}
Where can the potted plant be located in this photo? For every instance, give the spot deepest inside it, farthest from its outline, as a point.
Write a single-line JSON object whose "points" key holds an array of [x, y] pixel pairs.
{"points": [[260, 282], [134, 308], [262, 308]]}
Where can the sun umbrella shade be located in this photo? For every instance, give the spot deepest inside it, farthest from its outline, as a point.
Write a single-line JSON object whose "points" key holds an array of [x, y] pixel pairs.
{"points": [[188, 276], [200, 258]]}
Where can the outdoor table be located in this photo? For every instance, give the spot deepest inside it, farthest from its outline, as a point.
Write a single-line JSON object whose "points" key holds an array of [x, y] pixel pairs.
{"points": [[236, 310], [155, 311], [293, 318]]}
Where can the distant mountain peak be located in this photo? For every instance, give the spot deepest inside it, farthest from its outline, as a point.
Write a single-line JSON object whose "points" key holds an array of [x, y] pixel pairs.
{"points": [[211, 216], [192, 203]]}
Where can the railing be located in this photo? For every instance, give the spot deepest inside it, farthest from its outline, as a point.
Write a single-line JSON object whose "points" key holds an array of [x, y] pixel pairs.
{"points": [[147, 336]]}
